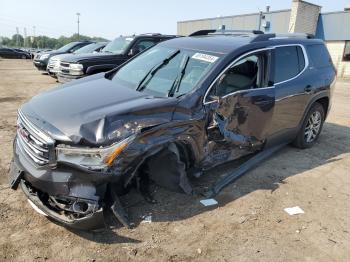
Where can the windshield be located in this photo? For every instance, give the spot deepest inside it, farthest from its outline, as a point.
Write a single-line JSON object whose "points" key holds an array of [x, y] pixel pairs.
{"points": [[66, 47], [87, 49], [165, 71], [118, 45]]}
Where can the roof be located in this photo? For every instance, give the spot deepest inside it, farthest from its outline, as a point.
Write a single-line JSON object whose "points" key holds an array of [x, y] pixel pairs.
{"points": [[153, 35], [215, 44], [224, 44]]}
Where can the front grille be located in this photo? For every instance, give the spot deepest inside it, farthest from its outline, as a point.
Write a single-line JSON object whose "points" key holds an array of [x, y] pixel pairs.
{"points": [[65, 64], [64, 68], [34, 143]]}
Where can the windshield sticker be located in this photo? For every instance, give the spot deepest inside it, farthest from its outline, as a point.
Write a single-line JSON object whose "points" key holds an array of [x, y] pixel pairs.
{"points": [[205, 57]]}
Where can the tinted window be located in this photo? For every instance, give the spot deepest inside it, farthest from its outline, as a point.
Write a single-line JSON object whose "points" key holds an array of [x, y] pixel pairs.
{"points": [[118, 45], [66, 47], [77, 47], [289, 62], [247, 73], [346, 56], [144, 44], [319, 56], [88, 48]]}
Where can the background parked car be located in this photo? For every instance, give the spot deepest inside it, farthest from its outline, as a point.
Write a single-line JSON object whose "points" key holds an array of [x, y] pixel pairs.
{"points": [[41, 59], [54, 62], [14, 53], [115, 53]]}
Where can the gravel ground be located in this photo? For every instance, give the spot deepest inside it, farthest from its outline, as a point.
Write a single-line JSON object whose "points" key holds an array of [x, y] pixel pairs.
{"points": [[249, 223]]}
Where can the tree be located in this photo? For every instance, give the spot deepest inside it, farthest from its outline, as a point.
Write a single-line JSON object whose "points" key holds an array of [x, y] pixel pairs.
{"points": [[17, 40], [42, 41]]}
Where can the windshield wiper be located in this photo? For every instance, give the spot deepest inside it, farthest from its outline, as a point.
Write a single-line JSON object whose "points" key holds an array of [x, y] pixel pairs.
{"points": [[143, 83], [177, 82]]}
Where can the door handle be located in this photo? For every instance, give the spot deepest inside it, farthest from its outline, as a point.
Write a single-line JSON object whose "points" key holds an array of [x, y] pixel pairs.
{"points": [[308, 89]]}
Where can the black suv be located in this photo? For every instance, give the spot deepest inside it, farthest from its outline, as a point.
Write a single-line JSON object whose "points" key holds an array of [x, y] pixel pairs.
{"points": [[181, 107], [41, 59], [114, 54]]}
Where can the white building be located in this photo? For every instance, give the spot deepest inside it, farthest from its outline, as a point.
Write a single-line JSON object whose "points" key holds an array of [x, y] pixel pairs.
{"points": [[303, 17]]}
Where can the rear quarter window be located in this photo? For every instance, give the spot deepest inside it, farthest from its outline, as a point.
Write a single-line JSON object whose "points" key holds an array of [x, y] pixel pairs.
{"points": [[289, 62], [319, 56]]}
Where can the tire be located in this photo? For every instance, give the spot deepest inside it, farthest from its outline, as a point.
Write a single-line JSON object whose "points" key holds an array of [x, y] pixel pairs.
{"points": [[23, 57], [311, 127]]}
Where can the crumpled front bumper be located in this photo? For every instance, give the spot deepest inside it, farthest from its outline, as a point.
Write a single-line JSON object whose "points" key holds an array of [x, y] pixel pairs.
{"points": [[62, 182], [91, 221]]}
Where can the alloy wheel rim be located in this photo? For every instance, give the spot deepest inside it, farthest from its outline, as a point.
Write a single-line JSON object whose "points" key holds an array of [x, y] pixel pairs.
{"points": [[313, 127]]}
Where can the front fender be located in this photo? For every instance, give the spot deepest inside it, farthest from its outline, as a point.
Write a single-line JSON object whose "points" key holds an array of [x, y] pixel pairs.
{"points": [[153, 140]]}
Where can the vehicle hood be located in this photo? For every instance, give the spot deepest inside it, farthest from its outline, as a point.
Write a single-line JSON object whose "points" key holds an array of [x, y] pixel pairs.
{"points": [[90, 57], [53, 52], [62, 56], [94, 111]]}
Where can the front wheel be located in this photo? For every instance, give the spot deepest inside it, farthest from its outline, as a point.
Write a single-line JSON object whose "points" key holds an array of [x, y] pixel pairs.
{"points": [[311, 127]]}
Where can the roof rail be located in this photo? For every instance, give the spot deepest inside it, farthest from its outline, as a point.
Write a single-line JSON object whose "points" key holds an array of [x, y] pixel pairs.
{"points": [[202, 32], [265, 37], [152, 34], [295, 35], [226, 32]]}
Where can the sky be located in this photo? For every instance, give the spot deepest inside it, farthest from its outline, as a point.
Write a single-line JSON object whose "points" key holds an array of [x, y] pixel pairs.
{"points": [[109, 19]]}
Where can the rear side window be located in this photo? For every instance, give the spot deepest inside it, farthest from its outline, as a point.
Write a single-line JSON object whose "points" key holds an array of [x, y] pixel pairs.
{"points": [[319, 56], [346, 56], [289, 62]]}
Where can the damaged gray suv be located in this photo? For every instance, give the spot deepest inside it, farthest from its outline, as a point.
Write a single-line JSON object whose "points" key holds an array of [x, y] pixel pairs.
{"points": [[173, 111]]}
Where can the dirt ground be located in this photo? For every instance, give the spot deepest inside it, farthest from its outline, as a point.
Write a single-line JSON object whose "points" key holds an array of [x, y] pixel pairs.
{"points": [[249, 224]]}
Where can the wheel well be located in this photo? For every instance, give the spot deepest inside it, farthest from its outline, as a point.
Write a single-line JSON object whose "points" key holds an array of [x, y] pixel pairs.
{"points": [[186, 153], [324, 101]]}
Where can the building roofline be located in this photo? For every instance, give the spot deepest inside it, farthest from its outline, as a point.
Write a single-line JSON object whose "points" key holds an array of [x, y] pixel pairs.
{"points": [[230, 16], [335, 12], [306, 2]]}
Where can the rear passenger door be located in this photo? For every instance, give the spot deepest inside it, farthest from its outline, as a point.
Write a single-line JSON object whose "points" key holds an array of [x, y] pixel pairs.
{"points": [[240, 105], [293, 87]]}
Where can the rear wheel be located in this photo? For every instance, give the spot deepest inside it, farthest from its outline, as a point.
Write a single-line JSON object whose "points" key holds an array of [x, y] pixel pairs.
{"points": [[311, 128]]}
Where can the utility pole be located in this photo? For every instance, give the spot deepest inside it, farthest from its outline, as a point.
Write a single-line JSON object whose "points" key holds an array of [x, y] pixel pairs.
{"points": [[78, 14], [25, 37], [33, 41], [17, 36]]}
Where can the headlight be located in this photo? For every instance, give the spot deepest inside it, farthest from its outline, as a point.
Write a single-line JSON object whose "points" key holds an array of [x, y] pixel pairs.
{"points": [[92, 158], [77, 67], [44, 56]]}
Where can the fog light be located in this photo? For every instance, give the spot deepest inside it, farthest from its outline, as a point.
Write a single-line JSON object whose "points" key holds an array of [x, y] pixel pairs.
{"points": [[80, 207]]}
